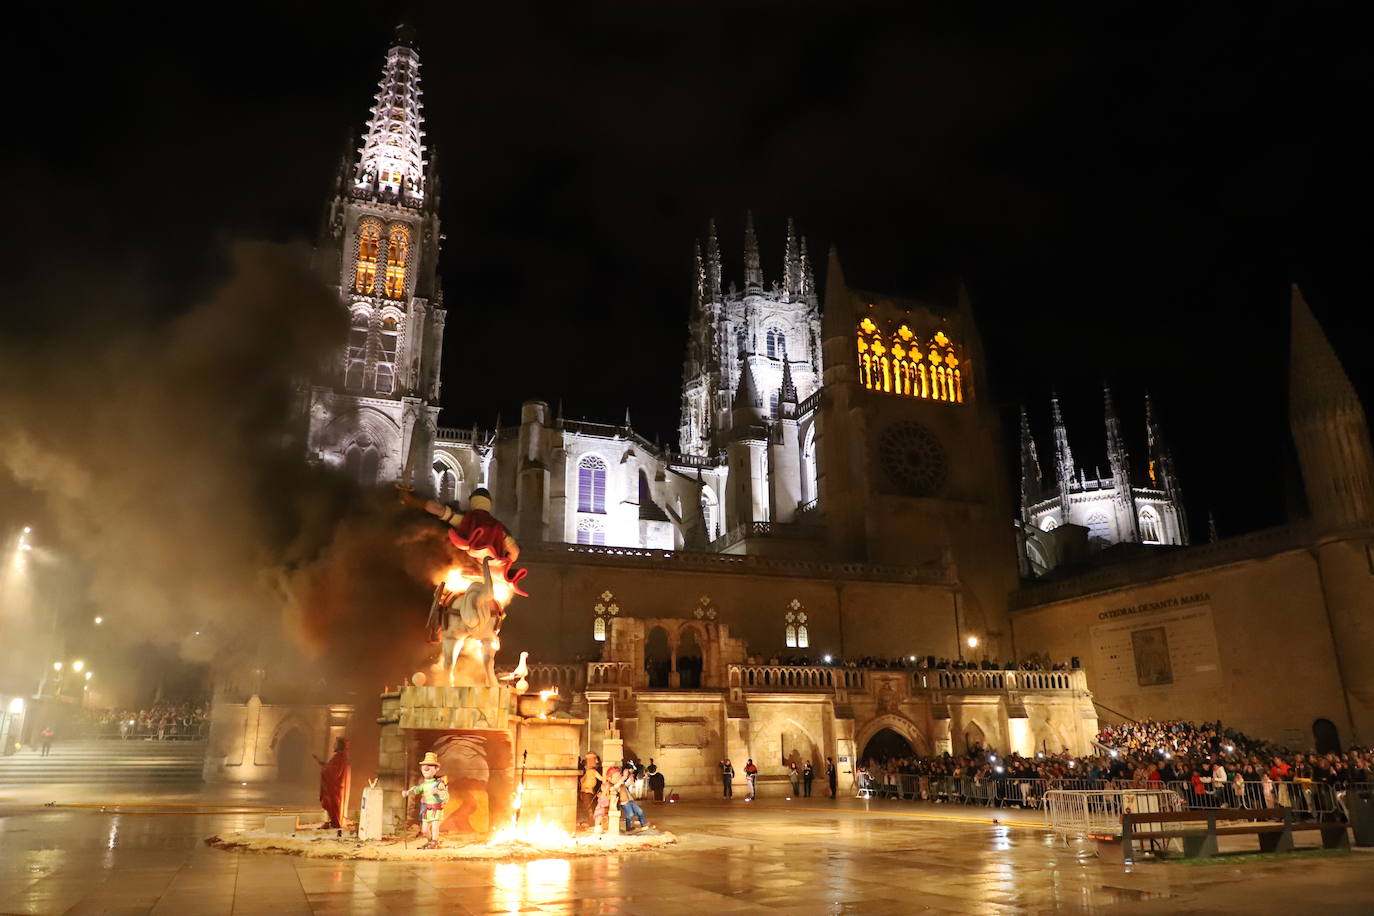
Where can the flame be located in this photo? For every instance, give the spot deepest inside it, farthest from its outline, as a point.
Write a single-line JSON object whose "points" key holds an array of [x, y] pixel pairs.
{"points": [[550, 692], [534, 833], [455, 582]]}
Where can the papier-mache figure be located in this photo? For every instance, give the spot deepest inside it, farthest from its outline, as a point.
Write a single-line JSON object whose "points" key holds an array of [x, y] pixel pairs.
{"points": [[477, 533], [433, 792]]}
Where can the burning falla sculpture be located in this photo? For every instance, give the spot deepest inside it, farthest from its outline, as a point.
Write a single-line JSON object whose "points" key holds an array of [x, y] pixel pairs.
{"points": [[470, 602]]}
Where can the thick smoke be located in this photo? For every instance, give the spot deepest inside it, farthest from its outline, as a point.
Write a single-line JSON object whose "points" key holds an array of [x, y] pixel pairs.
{"points": [[164, 460]]}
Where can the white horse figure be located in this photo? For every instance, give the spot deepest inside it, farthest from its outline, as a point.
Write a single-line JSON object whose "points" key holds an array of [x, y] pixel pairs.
{"points": [[474, 617]]}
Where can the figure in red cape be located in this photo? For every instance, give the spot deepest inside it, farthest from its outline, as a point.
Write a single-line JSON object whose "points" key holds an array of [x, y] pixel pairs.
{"points": [[477, 533], [334, 780]]}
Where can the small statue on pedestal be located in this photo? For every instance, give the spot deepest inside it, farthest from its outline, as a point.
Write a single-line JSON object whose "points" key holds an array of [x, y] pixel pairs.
{"points": [[433, 792]]}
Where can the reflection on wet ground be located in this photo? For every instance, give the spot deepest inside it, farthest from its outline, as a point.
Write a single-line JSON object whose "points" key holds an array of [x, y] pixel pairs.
{"points": [[772, 857]]}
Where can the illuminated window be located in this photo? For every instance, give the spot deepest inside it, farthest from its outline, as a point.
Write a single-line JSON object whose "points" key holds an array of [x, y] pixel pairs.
{"points": [[591, 485], [365, 271], [386, 358], [1149, 526], [708, 513], [773, 405], [361, 461], [602, 613], [1049, 524], [397, 253], [591, 531], [900, 364], [777, 343], [356, 353], [445, 482], [794, 626]]}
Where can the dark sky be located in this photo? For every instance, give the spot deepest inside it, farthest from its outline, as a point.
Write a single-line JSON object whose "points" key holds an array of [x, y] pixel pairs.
{"points": [[1126, 193]]}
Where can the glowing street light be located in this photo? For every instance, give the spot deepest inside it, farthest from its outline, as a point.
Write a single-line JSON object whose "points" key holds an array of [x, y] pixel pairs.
{"points": [[88, 674], [28, 530], [99, 621], [78, 665], [57, 666], [973, 642]]}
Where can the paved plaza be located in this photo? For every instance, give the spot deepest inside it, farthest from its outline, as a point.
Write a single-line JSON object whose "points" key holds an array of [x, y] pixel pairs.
{"points": [[770, 857]]}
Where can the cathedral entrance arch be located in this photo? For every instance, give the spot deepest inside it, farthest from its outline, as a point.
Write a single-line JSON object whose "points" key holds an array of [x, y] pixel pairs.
{"points": [[658, 657], [886, 745], [1326, 736], [900, 726], [291, 757], [974, 737], [689, 658]]}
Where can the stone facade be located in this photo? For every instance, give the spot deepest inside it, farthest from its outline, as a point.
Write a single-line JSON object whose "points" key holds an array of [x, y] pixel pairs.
{"points": [[260, 742]]}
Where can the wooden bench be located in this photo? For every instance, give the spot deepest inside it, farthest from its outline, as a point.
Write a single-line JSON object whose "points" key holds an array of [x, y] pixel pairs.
{"points": [[1273, 826]]}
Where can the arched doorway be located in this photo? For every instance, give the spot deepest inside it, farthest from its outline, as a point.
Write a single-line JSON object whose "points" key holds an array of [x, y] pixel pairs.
{"points": [[885, 745], [291, 757], [974, 738], [1326, 736], [689, 659], [657, 657]]}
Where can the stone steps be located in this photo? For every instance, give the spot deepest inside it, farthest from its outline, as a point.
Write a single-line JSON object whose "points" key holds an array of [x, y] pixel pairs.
{"points": [[108, 761]]}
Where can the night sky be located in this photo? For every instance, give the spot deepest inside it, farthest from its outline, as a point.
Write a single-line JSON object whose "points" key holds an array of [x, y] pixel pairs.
{"points": [[1127, 198]]}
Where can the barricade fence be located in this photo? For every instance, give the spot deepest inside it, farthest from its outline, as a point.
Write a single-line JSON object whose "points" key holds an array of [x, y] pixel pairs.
{"points": [[1078, 812], [1312, 800]]}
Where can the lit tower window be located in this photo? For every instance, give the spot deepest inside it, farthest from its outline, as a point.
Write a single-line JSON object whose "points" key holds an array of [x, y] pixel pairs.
{"points": [[365, 270], [794, 626], [602, 614], [397, 253]]}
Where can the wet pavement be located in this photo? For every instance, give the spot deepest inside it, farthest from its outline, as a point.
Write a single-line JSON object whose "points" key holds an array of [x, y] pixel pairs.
{"points": [[769, 857]]}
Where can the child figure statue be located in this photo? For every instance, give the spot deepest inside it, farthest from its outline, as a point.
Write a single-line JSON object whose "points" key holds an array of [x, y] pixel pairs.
{"points": [[433, 792]]}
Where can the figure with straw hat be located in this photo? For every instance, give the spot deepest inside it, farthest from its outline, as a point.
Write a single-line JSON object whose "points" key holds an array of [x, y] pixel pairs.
{"points": [[433, 792]]}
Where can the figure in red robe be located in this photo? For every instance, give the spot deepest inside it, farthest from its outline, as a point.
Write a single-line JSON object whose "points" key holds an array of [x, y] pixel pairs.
{"points": [[477, 533], [334, 779]]}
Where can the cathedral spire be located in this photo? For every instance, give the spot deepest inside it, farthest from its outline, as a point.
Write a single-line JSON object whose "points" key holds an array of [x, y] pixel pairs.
{"points": [[699, 276], [748, 405], [391, 160], [788, 393], [1120, 464], [1030, 467], [1063, 455], [806, 279], [713, 277], [1161, 467], [791, 265], [753, 270], [1329, 426]]}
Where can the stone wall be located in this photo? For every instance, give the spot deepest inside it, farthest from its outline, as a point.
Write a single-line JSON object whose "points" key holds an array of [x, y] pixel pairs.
{"points": [[246, 739]]}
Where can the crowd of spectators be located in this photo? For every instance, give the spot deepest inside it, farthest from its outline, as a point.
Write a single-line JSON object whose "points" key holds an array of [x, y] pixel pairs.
{"points": [[1208, 764], [159, 722], [917, 661]]}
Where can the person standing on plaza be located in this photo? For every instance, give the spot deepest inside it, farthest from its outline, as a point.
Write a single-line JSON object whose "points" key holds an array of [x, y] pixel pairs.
{"points": [[831, 776], [751, 773], [656, 781], [47, 735], [808, 777], [727, 778], [795, 776], [629, 808], [588, 786]]}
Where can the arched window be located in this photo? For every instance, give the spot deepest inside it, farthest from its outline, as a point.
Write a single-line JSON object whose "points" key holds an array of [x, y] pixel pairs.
{"points": [[1049, 524], [773, 399], [602, 613], [906, 358], [1150, 529], [794, 626], [386, 357], [740, 343], [365, 269], [808, 481], [708, 513], [875, 371], [356, 354], [361, 462], [446, 478], [1099, 528], [591, 487], [776, 342], [591, 531], [397, 254]]}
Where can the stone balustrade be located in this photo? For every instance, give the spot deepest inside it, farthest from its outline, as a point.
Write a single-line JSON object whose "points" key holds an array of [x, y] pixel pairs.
{"points": [[797, 677], [610, 674], [975, 679]]}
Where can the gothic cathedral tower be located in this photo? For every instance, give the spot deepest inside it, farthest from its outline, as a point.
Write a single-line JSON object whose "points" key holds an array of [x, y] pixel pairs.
{"points": [[910, 451], [380, 249]]}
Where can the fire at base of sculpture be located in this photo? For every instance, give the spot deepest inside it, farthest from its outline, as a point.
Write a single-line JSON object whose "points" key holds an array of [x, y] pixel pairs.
{"points": [[496, 762]]}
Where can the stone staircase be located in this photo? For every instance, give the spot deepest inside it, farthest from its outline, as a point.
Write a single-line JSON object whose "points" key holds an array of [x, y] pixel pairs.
{"points": [[104, 761]]}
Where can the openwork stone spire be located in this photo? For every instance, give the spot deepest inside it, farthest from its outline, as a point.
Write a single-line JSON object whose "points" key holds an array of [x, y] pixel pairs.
{"points": [[1030, 464], [392, 157], [791, 264], [753, 268], [1063, 455], [713, 275], [1120, 464]]}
